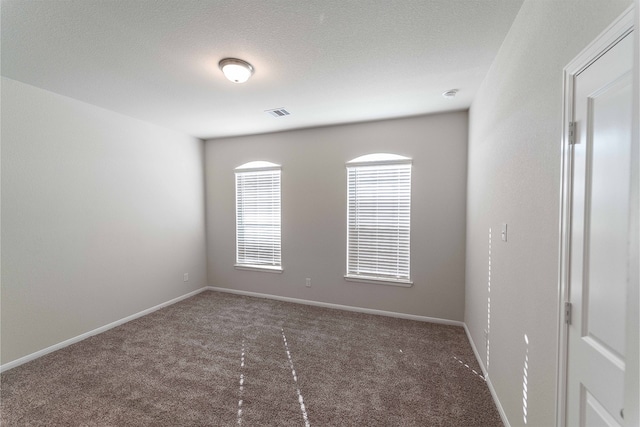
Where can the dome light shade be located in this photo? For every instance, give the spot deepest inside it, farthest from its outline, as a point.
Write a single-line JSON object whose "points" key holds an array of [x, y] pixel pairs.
{"points": [[450, 93], [236, 70]]}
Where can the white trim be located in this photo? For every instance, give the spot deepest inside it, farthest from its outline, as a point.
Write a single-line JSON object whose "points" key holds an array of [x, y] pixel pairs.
{"points": [[494, 395], [615, 32], [339, 306], [265, 268], [378, 280], [475, 352], [620, 28], [65, 343], [632, 346]]}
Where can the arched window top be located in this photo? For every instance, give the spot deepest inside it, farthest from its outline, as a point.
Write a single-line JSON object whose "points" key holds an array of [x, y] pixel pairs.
{"points": [[378, 158], [258, 165]]}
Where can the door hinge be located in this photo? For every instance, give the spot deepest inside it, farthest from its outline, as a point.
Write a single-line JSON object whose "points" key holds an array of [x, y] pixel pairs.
{"points": [[567, 313], [572, 133]]}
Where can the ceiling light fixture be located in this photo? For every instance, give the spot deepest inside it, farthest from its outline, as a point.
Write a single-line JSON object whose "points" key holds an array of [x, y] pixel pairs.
{"points": [[236, 70], [450, 93]]}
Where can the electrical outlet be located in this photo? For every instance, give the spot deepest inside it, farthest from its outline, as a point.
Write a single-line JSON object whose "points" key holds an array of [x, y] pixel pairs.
{"points": [[308, 283], [186, 277]]}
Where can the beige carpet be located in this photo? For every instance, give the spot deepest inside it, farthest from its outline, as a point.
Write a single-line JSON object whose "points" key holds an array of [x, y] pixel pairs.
{"points": [[224, 360]]}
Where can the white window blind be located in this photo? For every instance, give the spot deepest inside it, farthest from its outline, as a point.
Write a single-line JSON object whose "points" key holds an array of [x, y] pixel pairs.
{"points": [[379, 207], [258, 218]]}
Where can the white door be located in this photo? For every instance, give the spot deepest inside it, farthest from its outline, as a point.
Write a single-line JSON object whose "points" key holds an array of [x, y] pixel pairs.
{"points": [[599, 238]]}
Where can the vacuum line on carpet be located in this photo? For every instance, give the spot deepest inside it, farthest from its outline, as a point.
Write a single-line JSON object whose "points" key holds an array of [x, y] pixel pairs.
{"points": [[241, 385], [295, 380]]}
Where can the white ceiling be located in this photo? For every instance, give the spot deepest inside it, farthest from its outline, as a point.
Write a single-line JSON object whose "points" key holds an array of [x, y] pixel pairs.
{"points": [[326, 61]]}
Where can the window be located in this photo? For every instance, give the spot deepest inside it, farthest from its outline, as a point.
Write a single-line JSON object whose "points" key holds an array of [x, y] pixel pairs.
{"points": [[378, 219], [258, 216]]}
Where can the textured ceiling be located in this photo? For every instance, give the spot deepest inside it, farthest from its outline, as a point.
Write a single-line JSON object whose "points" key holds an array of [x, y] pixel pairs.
{"points": [[325, 61]]}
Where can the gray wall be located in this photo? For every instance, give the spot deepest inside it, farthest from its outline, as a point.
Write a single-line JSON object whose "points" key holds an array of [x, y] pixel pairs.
{"points": [[101, 215], [314, 212], [514, 178]]}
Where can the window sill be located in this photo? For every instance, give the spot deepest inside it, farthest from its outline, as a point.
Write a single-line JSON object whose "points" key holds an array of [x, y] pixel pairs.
{"points": [[379, 281], [265, 268]]}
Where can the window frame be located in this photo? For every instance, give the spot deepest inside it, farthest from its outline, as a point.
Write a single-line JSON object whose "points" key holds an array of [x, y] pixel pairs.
{"points": [[368, 161], [257, 167]]}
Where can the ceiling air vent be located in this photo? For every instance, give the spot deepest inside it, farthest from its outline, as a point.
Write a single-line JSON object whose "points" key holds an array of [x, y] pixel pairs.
{"points": [[277, 112]]}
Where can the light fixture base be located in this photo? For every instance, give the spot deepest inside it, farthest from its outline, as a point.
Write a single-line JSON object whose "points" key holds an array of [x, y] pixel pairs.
{"points": [[236, 70], [450, 93]]}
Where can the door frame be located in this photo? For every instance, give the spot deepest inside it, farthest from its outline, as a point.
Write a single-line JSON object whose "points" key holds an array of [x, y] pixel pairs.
{"points": [[620, 28]]}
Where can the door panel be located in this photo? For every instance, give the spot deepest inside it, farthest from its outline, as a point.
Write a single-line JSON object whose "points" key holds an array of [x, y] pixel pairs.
{"points": [[599, 238], [595, 415], [605, 288]]}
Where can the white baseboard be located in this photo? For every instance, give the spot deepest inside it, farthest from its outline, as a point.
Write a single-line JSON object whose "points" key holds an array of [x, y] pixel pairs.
{"points": [[81, 337], [340, 307], [503, 415]]}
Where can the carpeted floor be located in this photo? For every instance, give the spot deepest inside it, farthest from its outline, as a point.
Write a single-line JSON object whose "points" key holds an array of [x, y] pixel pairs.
{"points": [[221, 360]]}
